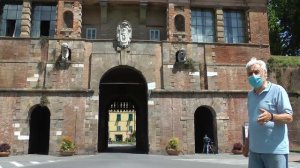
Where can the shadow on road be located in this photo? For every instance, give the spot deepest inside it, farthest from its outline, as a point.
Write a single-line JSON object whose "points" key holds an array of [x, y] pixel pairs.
{"points": [[122, 148]]}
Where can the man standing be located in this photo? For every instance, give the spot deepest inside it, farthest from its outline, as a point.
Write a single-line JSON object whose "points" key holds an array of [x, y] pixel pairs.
{"points": [[269, 111], [206, 141]]}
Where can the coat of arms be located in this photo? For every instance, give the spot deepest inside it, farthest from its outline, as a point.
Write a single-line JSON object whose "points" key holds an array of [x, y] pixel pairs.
{"points": [[124, 34]]}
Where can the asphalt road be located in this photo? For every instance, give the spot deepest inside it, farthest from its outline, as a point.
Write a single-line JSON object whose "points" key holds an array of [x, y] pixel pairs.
{"points": [[125, 160]]}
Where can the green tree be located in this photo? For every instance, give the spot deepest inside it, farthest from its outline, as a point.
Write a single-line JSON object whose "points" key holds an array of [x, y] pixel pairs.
{"points": [[284, 15]]}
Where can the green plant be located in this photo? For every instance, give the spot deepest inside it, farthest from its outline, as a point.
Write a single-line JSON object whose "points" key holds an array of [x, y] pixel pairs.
{"points": [[189, 64], [173, 144], [67, 144], [283, 61]]}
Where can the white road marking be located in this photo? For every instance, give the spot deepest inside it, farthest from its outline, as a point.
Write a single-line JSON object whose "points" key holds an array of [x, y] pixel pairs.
{"points": [[34, 162], [224, 161], [17, 164]]}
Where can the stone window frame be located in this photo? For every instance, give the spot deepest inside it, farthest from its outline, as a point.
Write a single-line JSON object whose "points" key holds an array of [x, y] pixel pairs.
{"points": [[130, 128], [118, 118], [6, 16], [235, 26], [52, 19], [152, 34], [91, 33], [130, 117], [202, 14], [119, 128]]}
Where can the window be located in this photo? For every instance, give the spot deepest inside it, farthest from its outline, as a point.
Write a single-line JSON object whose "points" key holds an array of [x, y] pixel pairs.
{"points": [[45, 25], [179, 23], [203, 25], [43, 21], [119, 138], [234, 27], [130, 117], [11, 20], [154, 34], [118, 128], [118, 117], [91, 33], [130, 129]]}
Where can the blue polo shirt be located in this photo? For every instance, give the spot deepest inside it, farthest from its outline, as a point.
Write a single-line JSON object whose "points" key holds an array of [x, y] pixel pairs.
{"points": [[271, 137]]}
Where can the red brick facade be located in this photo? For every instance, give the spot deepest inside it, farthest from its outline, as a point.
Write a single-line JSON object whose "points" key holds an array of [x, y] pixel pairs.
{"points": [[31, 68]]}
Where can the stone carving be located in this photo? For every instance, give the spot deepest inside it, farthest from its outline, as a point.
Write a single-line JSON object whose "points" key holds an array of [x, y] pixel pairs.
{"points": [[124, 34], [65, 52], [181, 55]]}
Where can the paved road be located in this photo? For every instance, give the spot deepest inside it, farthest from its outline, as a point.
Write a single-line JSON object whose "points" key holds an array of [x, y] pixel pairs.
{"points": [[125, 160]]}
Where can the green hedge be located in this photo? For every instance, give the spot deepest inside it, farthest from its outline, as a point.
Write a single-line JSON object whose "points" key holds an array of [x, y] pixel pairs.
{"points": [[284, 61]]}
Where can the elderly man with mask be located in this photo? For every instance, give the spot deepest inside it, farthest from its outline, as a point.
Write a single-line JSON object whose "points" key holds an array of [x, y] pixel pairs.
{"points": [[269, 112]]}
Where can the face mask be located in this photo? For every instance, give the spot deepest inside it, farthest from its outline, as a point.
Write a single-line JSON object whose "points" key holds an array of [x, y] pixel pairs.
{"points": [[255, 81]]}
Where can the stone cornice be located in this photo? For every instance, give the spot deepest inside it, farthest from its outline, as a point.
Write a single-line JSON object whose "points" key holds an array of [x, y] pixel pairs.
{"points": [[12, 90]]}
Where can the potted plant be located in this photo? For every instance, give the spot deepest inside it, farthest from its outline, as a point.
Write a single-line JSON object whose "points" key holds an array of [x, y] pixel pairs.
{"points": [[172, 147], [237, 148], [67, 147], [4, 150]]}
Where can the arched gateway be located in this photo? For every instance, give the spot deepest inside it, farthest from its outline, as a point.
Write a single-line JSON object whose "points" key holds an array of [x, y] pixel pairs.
{"points": [[123, 84], [205, 124], [39, 130]]}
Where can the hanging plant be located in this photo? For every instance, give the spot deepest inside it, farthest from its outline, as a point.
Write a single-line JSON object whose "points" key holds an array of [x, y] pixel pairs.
{"points": [[44, 101], [189, 64]]}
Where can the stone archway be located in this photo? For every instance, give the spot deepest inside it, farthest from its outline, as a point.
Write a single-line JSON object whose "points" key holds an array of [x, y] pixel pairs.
{"points": [[205, 123], [39, 130], [123, 83]]}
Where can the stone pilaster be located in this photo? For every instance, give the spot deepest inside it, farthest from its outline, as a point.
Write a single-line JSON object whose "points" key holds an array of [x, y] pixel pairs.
{"points": [[77, 11], [103, 5], [26, 19], [143, 12], [220, 25]]}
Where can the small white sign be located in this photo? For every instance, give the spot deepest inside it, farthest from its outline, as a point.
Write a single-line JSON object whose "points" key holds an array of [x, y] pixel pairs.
{"points": [[212, 73], [49, 65], [32, 79], [151, 86], [78, 65], [17, 133], [151, 102], [23, 137], [17, 125], [170, 66], [58, 132], [194, 73], [95, 98]]}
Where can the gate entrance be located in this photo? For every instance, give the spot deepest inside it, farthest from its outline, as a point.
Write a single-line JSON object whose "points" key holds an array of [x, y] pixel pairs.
{"points": [[39, 130], [123, 108], [205, 124]]}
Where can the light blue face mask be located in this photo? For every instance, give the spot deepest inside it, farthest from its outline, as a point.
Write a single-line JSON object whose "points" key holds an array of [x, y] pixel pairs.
{"points": [[255, 81]]}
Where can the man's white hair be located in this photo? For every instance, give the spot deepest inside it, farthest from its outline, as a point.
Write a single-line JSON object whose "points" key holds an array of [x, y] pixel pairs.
{"points": [[259, 62]]}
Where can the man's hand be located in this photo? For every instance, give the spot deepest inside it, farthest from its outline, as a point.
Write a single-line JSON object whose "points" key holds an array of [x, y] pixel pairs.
{"points": [[264, 117]]}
